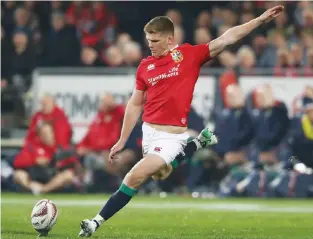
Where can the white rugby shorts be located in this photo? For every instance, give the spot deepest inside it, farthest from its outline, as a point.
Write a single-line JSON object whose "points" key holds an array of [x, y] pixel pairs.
{"points": [[163, 144]]}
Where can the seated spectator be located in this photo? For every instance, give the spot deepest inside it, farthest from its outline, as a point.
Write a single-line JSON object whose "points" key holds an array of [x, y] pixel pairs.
{"points": [[62, 46], [301, 131], [50, 113], [233, 126], [35, 169], [270, 123], [102, 134]]}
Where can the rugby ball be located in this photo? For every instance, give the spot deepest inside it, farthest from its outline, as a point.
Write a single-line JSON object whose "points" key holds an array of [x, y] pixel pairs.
{"points": [[44, 216]]}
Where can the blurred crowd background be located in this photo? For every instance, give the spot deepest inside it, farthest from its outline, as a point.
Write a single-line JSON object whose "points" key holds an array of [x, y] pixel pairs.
{"points": [[264, 151]]}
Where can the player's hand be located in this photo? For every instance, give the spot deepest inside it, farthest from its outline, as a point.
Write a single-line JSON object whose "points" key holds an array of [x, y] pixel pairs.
{"points": [[271, 13], [116, 149]]}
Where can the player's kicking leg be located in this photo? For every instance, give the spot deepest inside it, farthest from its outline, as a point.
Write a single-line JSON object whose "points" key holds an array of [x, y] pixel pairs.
{"points": [[143, 170], [204, 139]]}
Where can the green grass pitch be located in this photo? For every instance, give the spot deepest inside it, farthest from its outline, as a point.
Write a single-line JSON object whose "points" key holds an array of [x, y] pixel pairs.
{"points": [[166, 218]]}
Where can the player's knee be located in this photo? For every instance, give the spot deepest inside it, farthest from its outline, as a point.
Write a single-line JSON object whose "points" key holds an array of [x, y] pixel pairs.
{"points": [[67, 176], [20, 175], [134, 180]]}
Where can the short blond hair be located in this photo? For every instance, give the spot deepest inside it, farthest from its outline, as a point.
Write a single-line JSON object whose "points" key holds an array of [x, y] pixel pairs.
{"points": [[161, 24]]}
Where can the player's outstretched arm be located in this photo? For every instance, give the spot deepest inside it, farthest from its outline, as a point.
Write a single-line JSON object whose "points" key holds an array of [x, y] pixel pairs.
{"points": [[133, 111], [236, 33]]}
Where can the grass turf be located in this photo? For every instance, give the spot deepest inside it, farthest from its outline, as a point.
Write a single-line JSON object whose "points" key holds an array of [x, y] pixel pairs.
{"points": [[172, 217]]}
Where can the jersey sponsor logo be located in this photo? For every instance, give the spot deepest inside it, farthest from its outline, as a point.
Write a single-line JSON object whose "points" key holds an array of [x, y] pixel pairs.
{"points": [[177, 56], [157, 149], [151, 67], [170, 73]]}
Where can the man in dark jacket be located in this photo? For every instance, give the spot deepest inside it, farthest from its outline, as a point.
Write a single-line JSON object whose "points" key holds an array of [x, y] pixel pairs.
{"points": [[62, 47], [271, 124], [233, 126]]}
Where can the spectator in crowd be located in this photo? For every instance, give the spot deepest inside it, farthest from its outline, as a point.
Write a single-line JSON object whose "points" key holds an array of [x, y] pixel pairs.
{"points": [[51, 113], [259, 44], [112, 56], [95, 23], [132, 54], [270, 123], [281, 25], [57, 6], [5, 54], [102, 134], [35, 170], [298, 13], [246, 59], [175, 16], [307, 40], [276, 41], [122, 39], [22, 61], [308, 69], [301, 131], [204, 20], [27, 21], [230, 18], [284, 63], [233, 126], [217, 17], [202, 36], [90, 57], [307, 17], [297, 55], [179, 35], [62, 45], [7, 16]]}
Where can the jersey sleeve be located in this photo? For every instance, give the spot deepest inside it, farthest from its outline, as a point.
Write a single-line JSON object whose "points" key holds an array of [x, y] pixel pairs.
{"points": [[202, 53], [140, 82]]}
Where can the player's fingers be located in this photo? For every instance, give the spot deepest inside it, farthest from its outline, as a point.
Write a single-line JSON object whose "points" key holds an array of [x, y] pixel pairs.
{"points": [[278, 8]]}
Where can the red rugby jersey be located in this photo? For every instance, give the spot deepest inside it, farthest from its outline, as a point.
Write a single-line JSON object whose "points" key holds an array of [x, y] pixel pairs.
{"points": [[169, 82]]}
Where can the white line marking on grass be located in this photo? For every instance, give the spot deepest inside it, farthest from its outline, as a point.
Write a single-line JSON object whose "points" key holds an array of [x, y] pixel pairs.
{"points": [[231, 207]]}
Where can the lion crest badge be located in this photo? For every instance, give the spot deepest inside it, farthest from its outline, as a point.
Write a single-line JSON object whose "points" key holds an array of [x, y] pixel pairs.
{"points": [[177, 56]]}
